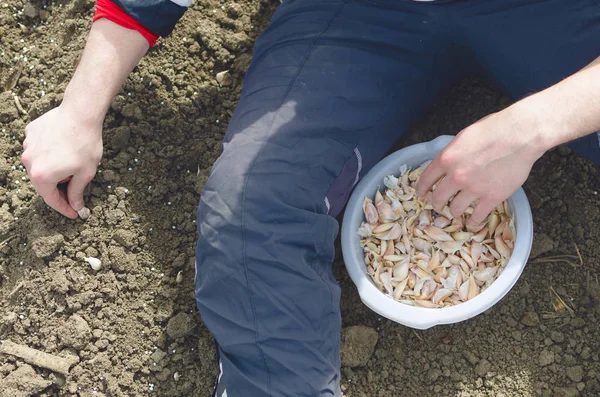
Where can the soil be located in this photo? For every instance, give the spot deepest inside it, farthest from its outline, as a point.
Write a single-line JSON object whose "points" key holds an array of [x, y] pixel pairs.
{"points": [[133, 329]]}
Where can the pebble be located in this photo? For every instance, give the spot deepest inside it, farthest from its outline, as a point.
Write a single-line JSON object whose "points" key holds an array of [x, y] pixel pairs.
{"points": [[530, 319], [358, 344], [541, 245]]}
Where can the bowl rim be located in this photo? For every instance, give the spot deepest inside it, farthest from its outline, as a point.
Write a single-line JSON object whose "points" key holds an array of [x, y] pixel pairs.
{"points": [[418, 317]]}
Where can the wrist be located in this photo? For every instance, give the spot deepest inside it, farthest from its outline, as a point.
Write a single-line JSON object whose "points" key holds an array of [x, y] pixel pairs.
{"points": [[83, 107], [539, 125]]}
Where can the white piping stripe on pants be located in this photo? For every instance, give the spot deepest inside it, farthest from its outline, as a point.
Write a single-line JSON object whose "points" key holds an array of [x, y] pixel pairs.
{"points": [[359, 159]]}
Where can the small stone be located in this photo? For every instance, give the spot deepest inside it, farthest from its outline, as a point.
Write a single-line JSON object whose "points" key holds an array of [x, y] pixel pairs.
{"points": [[483, 367], [546, 358], [45, 246], [530, 319], [358, 344], [180, 325], [575, 373], [541, 245], [84, 213]]}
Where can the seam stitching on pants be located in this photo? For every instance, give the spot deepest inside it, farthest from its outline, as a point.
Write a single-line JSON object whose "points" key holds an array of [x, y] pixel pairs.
{"points": [[244, 262]]}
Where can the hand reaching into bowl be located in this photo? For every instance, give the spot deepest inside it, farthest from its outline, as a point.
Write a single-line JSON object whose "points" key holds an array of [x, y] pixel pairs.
{"points": [[490, 159], [487, 161]]}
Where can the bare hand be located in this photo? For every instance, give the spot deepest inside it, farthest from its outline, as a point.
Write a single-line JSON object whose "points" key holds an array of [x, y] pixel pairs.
{"points": [[60, 147], [487, 161]]}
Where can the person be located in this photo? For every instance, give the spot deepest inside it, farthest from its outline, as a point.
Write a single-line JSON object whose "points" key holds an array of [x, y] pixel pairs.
{"points": [[332, 85]]}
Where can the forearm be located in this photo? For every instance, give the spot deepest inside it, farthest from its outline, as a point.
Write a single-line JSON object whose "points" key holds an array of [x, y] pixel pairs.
{"points": [[110, 54], [565, 111]]}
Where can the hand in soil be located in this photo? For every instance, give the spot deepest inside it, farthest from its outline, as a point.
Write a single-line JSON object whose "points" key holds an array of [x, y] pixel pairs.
{"points": [[487, 161], [60, 146]]}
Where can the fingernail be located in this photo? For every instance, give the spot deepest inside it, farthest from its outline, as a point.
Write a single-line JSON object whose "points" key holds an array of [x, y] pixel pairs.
{"points": [[77, 205]]}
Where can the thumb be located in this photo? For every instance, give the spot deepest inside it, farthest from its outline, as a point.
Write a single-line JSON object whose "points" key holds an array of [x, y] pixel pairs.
{"points": [[75, 189]]}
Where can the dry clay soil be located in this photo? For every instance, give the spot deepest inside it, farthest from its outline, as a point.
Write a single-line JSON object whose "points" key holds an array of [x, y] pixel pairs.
{"points": [[132, 330]]}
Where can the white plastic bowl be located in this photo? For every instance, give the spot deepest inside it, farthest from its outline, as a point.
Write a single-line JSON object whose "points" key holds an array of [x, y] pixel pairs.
{"points": [[417, 317]]}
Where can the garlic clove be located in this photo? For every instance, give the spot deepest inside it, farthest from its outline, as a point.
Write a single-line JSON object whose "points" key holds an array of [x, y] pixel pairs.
{"points": [[84, 213], [95, 263]]}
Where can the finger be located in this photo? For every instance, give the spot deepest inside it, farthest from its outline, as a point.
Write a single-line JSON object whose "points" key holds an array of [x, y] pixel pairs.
{"points": [[442, 194], [481, 212], [432, 173], [25, 160], [75, 189], [52, 196], [461, 202]]}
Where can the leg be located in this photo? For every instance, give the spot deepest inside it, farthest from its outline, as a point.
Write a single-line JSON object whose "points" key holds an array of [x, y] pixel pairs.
{"points": [[533, 45], [332, 86]]}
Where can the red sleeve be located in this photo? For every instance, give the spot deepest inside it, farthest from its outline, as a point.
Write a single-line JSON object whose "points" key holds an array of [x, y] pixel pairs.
{"points": [[109, 10]]}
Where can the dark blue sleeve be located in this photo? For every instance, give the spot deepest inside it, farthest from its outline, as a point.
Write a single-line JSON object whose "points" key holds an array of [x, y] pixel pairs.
{"points": [[158, 16]]}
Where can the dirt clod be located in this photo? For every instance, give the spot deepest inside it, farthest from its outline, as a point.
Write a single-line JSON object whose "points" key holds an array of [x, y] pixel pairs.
{"points": [[126, 238], [179, 326], [120, 137], [76, 333], [530, 319], [546, 357], [45, 246], [566, 392], [358, 344], [575, 373], [542, 244], [23, 382], [483, 367]]}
